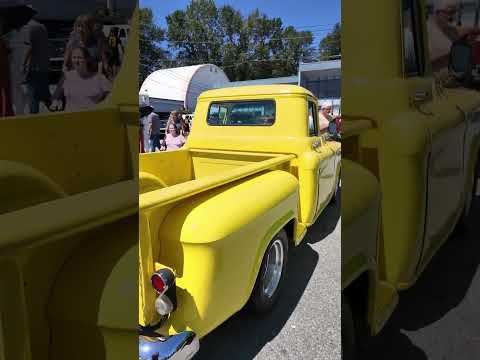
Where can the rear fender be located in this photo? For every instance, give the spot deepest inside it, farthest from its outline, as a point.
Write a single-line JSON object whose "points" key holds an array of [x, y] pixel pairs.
{"points": [[22, 186], [105, 263], [262, 249], [215, 243], [362, 250]]}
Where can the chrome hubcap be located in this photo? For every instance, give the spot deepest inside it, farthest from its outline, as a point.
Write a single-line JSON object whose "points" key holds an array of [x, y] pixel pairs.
{"points": [[274, 267]]}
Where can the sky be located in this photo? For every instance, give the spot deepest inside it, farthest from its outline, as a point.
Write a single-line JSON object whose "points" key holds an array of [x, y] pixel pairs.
{"points": [[299, 13]]}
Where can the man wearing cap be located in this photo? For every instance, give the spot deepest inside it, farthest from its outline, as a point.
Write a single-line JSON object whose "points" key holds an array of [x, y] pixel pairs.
{"points": [[442, 32]]}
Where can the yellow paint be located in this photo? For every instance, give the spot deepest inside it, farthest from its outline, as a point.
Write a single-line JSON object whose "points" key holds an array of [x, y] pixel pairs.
{"points": [[229, 191], [69, 228], [400, 144]]}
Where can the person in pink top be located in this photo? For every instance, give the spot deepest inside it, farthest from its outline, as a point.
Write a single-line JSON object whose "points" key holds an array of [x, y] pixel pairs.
{"points": [[83, 87], [174, 140]]}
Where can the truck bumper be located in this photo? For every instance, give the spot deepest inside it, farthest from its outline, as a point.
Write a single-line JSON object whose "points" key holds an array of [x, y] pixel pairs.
{"points": [[182, 346]]}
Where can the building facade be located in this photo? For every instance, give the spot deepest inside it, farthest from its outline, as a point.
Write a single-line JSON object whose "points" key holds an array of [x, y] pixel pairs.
{"points": [[322, 78]]}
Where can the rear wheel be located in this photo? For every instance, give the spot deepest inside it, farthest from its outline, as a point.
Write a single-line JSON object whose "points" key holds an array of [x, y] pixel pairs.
{"points": [[271, 274]]}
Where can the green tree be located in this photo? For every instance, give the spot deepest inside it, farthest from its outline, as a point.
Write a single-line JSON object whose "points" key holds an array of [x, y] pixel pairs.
{"points": [[195, 33], [235, 44], [330, 45], [246, 48], [152, 55], [296, 46]]}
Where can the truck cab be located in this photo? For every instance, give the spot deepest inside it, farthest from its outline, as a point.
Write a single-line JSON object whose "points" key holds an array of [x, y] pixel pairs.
{"points": [[411, 147]]}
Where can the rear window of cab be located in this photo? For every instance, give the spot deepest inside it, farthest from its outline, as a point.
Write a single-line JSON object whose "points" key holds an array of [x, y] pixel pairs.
{"points": [[242, 113]]}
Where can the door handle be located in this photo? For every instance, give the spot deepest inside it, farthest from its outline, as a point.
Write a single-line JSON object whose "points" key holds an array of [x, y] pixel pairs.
{"points": [[420, 97]]}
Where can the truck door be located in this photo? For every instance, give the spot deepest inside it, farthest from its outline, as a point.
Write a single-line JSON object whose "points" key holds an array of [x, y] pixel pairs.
{"points": [[326, 166], [444, 120], [445, 173]]}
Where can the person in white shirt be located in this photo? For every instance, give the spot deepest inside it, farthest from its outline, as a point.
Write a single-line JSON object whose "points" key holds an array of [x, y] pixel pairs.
{"points": [[174, 139], [83, 86]]}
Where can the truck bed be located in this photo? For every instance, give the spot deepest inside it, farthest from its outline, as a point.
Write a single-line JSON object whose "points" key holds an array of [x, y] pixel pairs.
{"points": [[174, 197], [198, 171]]}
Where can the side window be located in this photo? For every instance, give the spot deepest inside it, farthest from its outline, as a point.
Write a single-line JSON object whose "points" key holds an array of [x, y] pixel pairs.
{"points": [[412, 39], [448, 23], [312, 119], [242, 113]]}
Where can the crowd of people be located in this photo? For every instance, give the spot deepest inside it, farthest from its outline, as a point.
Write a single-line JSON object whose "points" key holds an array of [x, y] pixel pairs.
{"points": [[156, 135], [153, 136], [91, 63]]}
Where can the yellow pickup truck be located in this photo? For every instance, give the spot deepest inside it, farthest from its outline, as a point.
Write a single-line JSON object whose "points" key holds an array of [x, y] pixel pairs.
{"points": [[411, 152], [69, 229], [218, 216]]}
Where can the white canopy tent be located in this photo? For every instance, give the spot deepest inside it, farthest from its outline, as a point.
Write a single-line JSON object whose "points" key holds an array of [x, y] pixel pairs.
{"points": [[182, 85]]}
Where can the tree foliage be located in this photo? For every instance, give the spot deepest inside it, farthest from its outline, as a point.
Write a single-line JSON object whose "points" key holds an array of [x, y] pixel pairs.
{"points": [[152, 55], [250, 47], [330, 45]]}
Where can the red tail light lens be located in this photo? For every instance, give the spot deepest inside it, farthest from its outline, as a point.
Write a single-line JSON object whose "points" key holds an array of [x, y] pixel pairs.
{"points": [[162, 280], [158, 283]]}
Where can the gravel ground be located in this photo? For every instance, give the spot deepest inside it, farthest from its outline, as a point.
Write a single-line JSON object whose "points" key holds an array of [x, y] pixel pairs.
{"points": [[305, 323]]}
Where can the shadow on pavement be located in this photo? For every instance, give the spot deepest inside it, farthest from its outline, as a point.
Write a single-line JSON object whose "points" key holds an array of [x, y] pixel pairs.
{"points": [[326, 222], [244, 335], [441, 288]]}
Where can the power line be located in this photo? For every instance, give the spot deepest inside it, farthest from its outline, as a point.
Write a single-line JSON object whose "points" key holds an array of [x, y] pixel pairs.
{"points": [[236, 64], [213, 42], [192, 84], [253, 61], [312, 52], [313, 26]]}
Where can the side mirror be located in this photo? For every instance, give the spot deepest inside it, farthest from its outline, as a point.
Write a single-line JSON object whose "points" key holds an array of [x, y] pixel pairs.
{"points": [[461, 61], [331, 137]]}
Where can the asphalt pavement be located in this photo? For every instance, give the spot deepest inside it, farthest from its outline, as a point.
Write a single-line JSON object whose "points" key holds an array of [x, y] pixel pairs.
{"points": [[439, 317], [305, 323]]}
